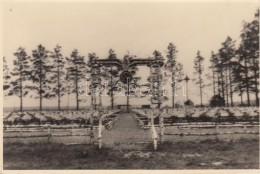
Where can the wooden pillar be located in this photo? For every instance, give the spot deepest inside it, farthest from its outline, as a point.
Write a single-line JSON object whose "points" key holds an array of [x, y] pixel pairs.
{"points": [[161, 128], [49, 133], [216, 130], [91, 130], [245, 128], [100, 132]]}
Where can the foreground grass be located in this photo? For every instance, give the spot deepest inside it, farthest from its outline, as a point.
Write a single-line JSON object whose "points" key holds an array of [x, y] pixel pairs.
{"points": [[208, 154]]}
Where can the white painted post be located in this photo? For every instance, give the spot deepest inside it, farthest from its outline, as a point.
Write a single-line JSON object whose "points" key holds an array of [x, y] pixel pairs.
{"points": [[155, 143], [155, 138], [152, 120], [216, 131], [189, 127], [100, 132], [245, 128], [49, 133], [91, 130], [161, 128]]}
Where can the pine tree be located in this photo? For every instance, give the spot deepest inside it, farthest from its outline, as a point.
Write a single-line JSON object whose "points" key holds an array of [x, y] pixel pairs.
{"points": [[41, 70], [249, 55], [6, 76], [20, 73], [238, 79], [221, 76], [214, 61], [156, 79], [96, 76], [226, 53], [76, 71], [174, 68], [112, 75], [133, 69], [58, 74], [198, 66]]}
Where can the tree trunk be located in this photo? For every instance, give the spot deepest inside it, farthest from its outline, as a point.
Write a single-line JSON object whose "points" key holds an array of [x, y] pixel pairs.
{"points": [[58, 87], [112, 91], [40, 86], [247, 84], [201, 92], [112, 100], [40, 96], [100, 100], [21, 89], [241, 98], [213, 74], [222, 85], [219, 87], [77, 95], [230, 85], [256, 89], [226, 86], [200, 81], [173, 95], [173, 90], [127, 97], [127, 103]]}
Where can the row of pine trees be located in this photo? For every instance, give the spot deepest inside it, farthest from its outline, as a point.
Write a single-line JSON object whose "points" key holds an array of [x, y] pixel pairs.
{"points": [[48, 74], [234, 71]]}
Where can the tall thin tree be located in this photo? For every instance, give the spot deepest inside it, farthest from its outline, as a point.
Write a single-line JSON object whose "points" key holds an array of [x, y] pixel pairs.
{"points": [[198, 66], [6, 76], [226, 54], [58, 74], [175, 69], [40, 73], [111, 74], [20, 73], [76, 72]]}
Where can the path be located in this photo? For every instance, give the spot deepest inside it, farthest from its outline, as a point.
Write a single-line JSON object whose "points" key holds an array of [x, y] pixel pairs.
{"points": [[126, 131]]}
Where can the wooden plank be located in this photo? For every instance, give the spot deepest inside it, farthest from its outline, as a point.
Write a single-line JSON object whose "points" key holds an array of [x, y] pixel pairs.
{"points": [[219, 133], [100, 133], [154, 136]]}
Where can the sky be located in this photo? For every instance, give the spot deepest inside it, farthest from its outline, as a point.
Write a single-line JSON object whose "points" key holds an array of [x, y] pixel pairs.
{"points": [[138, 28]]}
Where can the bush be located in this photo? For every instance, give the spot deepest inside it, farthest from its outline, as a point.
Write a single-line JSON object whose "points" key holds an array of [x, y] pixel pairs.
{"points": [[217, 101], [189, 103]]}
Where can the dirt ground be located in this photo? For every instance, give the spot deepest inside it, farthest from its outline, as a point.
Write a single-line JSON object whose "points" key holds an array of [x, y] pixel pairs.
{"points": [[127, 146], [205, 154]]}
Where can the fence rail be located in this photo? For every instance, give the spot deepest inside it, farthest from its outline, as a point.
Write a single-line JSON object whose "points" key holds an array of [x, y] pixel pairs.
{"points": [[44, 135], [207, 134], [49, 131]]}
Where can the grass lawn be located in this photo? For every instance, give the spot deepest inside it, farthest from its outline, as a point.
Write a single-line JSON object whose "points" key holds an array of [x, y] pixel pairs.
{"points": [[207, 154]]}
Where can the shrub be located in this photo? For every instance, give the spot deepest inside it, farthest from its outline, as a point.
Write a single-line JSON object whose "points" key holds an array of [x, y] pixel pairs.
{"points": [[217, 101]]}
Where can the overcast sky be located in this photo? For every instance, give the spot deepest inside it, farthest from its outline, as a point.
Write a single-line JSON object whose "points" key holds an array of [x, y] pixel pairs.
{"points": [[139, 28]]}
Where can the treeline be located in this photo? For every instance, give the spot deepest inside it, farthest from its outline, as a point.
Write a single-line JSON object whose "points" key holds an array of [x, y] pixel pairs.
{"points": [[49, 74], [234, 70]]}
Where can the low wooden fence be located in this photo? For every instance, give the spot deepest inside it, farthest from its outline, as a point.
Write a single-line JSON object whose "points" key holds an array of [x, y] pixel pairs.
{"points": [[193, 125], [49, 131]]}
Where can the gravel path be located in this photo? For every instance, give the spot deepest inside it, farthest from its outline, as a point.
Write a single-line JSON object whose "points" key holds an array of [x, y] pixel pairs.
{"points": [[126, 131]]}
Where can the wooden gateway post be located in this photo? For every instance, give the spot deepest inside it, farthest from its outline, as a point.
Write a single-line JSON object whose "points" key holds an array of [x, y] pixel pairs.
{"points": [[156, 80], [153, 130], [100, 131], [155, 65], [95, 90], [161, 120]]}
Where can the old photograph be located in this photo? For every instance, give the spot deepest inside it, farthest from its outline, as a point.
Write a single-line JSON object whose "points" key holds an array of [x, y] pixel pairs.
{"points": [[130, 85]]}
